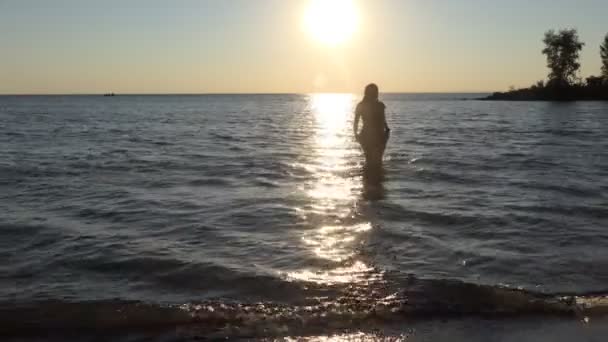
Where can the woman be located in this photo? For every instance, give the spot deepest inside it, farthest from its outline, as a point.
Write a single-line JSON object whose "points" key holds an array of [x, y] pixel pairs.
{"points": [[375, 131]]}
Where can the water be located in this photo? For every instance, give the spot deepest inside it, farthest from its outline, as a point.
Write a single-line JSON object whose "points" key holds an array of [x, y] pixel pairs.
{"points": [[208, 208]]}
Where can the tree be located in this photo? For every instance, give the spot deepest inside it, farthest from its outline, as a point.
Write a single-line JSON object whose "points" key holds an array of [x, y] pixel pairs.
{"points": [[604, 54], [562, 50], [539, 85]]}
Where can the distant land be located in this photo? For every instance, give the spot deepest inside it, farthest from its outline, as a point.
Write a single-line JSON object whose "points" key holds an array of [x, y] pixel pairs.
{"points": [[585, 92], [562, 49]]}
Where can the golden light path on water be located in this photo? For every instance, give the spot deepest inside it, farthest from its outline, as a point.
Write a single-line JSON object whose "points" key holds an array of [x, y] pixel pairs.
{"points": [[351, 337], [333, 192]]}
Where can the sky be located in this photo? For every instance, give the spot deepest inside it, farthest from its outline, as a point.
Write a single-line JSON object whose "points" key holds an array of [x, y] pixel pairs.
{"points": [[262, 46]]}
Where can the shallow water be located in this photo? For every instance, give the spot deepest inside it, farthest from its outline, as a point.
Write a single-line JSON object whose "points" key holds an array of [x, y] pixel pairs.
{"points": [[244, 199]]}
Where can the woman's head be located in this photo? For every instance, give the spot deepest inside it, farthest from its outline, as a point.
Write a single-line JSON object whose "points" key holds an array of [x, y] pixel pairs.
{"points": [[371, 92]]}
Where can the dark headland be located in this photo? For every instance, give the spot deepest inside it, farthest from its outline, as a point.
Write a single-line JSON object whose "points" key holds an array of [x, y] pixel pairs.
{"points": [[563, 82], [585, 92]]}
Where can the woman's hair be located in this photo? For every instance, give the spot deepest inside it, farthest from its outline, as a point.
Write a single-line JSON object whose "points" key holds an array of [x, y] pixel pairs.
{"points": [[371, 93]]}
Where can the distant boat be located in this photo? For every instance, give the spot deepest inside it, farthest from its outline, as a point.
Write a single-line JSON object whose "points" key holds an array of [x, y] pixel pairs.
{"points": [[109, 94]]}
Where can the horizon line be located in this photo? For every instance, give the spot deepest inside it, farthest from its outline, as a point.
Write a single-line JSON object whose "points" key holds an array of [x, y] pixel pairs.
{"points": [[240, 93]]}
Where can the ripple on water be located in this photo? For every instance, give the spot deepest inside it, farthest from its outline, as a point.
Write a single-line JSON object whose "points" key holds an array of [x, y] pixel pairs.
{"points": [[178, 199]]}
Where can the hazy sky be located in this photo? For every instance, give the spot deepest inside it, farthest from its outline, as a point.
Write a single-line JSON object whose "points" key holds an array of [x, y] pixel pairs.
{"points": [[259, 46]]}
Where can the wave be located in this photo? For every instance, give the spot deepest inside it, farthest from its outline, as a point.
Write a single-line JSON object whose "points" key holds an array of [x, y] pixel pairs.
{"points": [[599, 212], [211, 181], [420, 300], [436, 175], [566, 189]]}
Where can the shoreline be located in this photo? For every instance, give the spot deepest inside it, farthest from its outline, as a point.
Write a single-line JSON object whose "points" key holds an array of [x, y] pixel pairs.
{"points": [[557, 94]]}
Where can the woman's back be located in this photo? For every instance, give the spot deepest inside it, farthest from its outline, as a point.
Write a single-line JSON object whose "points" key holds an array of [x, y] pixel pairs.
{"points": [[372, 115]]}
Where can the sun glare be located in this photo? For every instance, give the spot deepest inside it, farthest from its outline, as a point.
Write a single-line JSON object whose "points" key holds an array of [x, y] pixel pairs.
{"points": [[331, 22]]}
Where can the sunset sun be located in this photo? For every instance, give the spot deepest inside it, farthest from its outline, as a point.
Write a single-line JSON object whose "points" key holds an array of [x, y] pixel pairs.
{"points": [[331, 22]]}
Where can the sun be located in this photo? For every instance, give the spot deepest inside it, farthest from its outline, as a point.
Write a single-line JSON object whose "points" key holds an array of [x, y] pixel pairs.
{"points": [[331, 22]]}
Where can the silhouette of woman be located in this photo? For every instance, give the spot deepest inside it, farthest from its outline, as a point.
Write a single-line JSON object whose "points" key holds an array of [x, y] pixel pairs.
{"points": [[375, 132]]}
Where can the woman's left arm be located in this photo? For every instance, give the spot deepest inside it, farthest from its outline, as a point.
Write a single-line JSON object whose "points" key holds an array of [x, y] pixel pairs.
{"points": [[386, 128], [356, 123]]}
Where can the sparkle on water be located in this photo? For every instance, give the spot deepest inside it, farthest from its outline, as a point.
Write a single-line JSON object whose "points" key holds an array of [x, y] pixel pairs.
{"points": [[350, 337]]}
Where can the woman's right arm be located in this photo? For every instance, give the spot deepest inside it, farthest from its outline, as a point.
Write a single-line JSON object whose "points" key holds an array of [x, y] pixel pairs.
{"points": [[386, 128], [356, 123]]}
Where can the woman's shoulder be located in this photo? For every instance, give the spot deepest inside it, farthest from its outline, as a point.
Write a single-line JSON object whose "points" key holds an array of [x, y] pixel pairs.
{"points": [[380, 105], [360, 106], [369, 106], [377, 103]]}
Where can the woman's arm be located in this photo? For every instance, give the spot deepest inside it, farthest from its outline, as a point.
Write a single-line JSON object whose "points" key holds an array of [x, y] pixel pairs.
{"points": [[356, 123], [386, 128]]}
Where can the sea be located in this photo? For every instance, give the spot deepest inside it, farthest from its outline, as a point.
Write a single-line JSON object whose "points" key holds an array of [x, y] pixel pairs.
{"points": [[250, 217]]}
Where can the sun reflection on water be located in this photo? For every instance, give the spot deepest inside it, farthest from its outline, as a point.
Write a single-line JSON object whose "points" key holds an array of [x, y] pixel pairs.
{"points": [[331, 187], [331, 111], [333, 192], [335, 243], [351, 337]]}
